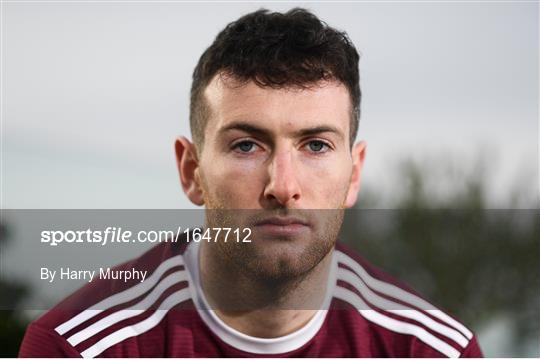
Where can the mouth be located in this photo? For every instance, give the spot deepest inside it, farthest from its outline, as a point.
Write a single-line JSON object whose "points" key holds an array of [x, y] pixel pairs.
{"points": [[282, 226]]}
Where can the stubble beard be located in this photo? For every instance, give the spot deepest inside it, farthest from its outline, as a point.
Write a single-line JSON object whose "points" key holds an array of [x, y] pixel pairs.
{"points": [[286, 263]]}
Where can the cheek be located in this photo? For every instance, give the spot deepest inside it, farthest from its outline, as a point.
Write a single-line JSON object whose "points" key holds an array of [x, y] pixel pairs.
{"points": [[235, 182], [325, 181]]}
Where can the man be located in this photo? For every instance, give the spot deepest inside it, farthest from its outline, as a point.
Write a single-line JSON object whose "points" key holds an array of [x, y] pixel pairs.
{"points": [[274, 114]]}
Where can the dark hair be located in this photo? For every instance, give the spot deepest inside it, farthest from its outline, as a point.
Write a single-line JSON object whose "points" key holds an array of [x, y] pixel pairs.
{"points": [[294, 49]]}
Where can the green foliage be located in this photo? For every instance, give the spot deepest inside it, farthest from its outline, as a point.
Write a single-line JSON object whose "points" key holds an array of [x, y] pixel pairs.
{"points": [[472, 261], [12, 326]]}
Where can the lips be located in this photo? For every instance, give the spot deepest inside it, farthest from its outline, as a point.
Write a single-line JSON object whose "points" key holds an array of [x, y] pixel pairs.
{"points": [[282, 226], [282, 221]]}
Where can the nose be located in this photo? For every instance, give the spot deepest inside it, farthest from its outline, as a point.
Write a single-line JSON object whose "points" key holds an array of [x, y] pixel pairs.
{"points": [[283, 188]]}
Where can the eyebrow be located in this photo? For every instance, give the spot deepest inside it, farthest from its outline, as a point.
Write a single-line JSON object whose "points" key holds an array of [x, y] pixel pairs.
{"points": [[264, 133]]}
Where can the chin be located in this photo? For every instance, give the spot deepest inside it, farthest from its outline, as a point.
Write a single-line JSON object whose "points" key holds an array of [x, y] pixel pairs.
{"points": [[282, 261]]}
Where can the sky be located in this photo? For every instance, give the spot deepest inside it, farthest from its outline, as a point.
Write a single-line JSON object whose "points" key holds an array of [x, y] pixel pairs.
{"points": [[94, 94]]}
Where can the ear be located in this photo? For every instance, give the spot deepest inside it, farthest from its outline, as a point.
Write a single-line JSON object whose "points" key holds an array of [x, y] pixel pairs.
{"points": [[188, 169], [358, 155]]}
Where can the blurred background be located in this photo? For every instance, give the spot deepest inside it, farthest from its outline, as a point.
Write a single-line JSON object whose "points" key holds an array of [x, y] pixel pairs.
{"points": [[94, 94]]}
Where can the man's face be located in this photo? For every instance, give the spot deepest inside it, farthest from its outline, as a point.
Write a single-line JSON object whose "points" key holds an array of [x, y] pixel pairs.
{"points": [[281, 159]]}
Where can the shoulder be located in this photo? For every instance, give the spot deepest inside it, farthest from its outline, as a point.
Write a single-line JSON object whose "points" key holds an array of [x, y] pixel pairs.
{"points": [[101, 311], [400, 321]]}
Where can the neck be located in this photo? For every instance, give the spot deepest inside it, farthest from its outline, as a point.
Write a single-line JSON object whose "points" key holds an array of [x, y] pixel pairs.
{"points": [[261, 308]]}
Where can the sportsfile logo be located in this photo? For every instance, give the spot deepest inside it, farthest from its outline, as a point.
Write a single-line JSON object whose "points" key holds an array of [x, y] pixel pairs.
{"points": [[109, 235]]}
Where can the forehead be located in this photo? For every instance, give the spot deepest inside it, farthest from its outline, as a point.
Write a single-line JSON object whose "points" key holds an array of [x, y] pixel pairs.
{"points": [[323, 103]]}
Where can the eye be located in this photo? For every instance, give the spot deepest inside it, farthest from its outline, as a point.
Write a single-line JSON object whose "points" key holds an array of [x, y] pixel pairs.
{"points": [[318, 146], [245, 146]]}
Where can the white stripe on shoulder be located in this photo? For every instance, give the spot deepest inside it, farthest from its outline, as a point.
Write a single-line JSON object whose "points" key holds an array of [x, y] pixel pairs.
{"points": [[139, 328], [399, 309], [121, 297], [396, 325], [398, 293], [138, 308]]}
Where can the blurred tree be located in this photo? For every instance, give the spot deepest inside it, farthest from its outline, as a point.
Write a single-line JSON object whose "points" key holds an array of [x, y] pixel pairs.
{"points": [[12, 326], [472, 261]]}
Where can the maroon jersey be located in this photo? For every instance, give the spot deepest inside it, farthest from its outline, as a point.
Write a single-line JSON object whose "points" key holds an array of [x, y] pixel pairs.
{"points": [[366, 314]]}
